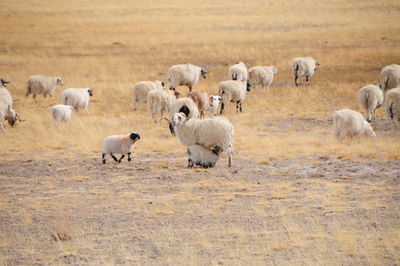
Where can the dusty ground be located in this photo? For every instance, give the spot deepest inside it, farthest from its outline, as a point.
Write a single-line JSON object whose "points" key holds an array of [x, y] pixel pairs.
{"points": [[147, 212]]}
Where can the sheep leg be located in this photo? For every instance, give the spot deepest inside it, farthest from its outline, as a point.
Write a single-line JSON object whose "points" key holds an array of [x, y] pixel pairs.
{"points": [[307, 83], [190, 163], [240, 106], [103, 157], [129, 156], [115, 158], [237, 106], [295, 80], [190, 88], [222, 108], [120, 159], [230, 161]]}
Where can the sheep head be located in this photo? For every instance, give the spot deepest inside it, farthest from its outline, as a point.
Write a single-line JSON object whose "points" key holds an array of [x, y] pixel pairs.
{"points": [[134, 136], [215, 101], [90, 91], [59, 81], [3, 82], [11, 116], [203, 73], [178, 119]]}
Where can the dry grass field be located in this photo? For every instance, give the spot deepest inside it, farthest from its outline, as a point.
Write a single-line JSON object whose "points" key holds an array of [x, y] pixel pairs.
{"points": [[294, 196]]}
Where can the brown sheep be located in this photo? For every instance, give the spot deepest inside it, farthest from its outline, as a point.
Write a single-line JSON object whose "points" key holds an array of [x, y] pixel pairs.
{"points": [[201, 99]]}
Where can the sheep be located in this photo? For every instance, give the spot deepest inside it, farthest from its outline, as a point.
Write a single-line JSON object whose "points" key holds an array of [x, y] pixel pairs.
{"points": [[142, 88], [349, 123], [201, 100], [215, 101], [7, 111], [187, 106], [77, 98], [233, 91], [185, 75], [390, 77], [262, 75], [61, 112], [119, 144], [238, 72], [42, 85], [304, 67], [160, 101], [371, 98], [392, 104], [3, 82], [211, 133], [203, 157]]}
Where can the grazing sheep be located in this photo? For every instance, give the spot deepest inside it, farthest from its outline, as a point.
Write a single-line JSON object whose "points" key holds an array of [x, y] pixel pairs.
{"points": [[238, 72], [3, 82], [211, 133], [304, 67], [262, 75], [119, 144], [349, 123], [42, 85], [392, 104], [390, 77], [77, 98], [141, 89], [201, 99], [187, 106], [233, 91], [7, 111], [185, 75], [215, 101], [61, 112], [371, 98], [160, 101], [200, 156]]}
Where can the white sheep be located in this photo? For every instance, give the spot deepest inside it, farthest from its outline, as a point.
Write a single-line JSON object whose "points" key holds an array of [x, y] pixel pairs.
{"points": [[77, 98], [215, 101], [349, 123], [119, 144], [203, 157], [142, 88], [61, 112], [392, 104], [7, 111], [160, 101], [304, 67], [238, 72], [211, 133], [390, 77], [371, 98], [262, 75], [3, 82], [42, 85], [233, 91], [184, 75]]}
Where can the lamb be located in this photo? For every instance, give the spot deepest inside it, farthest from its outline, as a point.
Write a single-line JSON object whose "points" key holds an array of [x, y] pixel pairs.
{"points": [[7, 111], [233, 91], [238, 72], [185, 75], [215, 101], [390, 77], [42, 85], [201, 99], [304, 67], [371, 98], [392, 104], [349, 123], [77, 98], [160, 101], [119, 144], [200, 156], [214, 134], [3, 82], [141, 89], [61, 112], [262, 75]]}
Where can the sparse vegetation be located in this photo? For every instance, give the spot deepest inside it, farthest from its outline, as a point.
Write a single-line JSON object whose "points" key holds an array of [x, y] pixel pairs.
{"points": [[295, 195]]}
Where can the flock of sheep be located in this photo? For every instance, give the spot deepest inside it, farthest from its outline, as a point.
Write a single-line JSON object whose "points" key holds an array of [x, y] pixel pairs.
{"points": [[206, 138]]}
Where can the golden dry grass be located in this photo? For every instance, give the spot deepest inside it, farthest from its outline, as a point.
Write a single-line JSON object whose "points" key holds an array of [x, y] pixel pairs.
{"points": [[110, 45]]}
